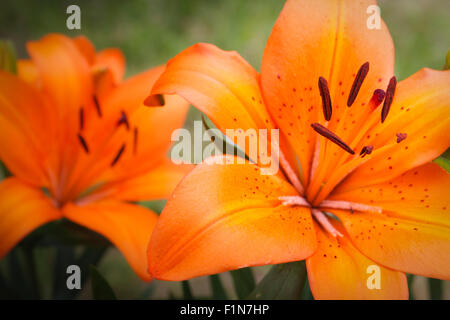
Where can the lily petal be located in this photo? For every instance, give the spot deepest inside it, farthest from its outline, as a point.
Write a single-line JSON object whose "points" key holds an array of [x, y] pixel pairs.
{"points": [[127, 226], [235, 222], [337, 270], [23, 114], [65, 76], [112, 59], [219, 83], [157, 183], [421, 109], [329, 39], [23, 208], [413, 233]]}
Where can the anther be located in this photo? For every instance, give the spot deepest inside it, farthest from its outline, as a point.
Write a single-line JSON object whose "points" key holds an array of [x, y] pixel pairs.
{"points": [[362, 73], [81, 115], [377, 98], [119, 154], [83, 143], [326, 100], [135, 139], [366, 150], [390, 91], [331, 136], [97, 106], [401, 137], [123, 120]]}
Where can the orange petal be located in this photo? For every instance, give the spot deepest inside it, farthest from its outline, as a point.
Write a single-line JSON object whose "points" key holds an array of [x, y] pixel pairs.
{"points": [[65, 75], [67, 85], [421, 109], [23, 114], [413, 233], [329, 39], [86, 48], [22, 209], [113, 60], [337, 270], [27, 71], [228, 216], [219, 83], [419, 194], [146, 141], [158, 183], [127, 226]]}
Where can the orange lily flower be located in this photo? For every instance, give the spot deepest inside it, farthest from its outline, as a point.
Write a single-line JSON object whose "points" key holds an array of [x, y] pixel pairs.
{"points": [[69, 124], [357, 191]]}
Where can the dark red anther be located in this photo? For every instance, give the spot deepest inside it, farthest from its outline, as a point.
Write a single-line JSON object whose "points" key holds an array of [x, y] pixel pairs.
{"points": [[83, 143], [118, 155], [135, 139], [390, 91], [366, 150], [360, 76], [97, 106], [401, 137], [326, 100], [331, 136], [123, 120], [377, 98]]}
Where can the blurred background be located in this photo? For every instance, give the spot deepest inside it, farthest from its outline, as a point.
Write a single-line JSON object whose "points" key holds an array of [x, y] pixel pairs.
{"points": [[149, 33]]}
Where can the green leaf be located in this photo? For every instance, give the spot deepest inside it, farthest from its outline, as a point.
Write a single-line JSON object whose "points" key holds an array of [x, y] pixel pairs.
{"points": [[243, 281], [435, 286], [283, 282], [410, 279], [187, 292], [218, 291], [222, 142], [101, 290], [443, 162], [7, 57]]}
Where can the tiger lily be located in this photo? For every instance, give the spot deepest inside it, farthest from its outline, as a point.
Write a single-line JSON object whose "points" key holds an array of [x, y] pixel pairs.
{"points": [[358, 191], [70, 126]]}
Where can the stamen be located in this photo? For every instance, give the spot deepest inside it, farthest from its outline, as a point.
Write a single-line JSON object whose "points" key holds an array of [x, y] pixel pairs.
{"points": [[390, 91], [366, 150], [81, 115], [135, 139], [292, 176], [346, 205], [83, 143], [377, 98], [326, 100], [123, 120], [97, 106], [401, 137], [331, 136], [119, 154], [362, 73], [325, 223], [294, 201]]}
